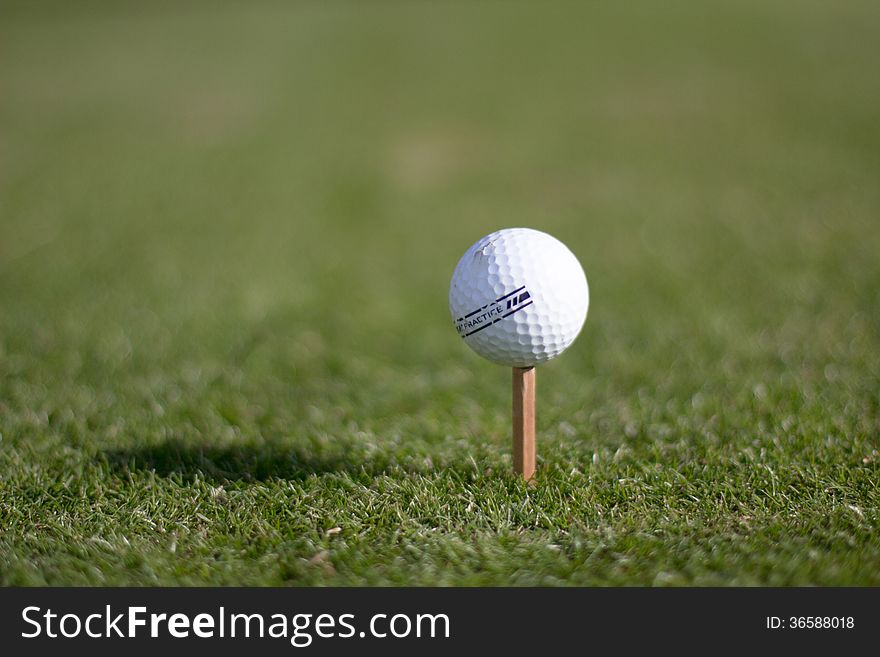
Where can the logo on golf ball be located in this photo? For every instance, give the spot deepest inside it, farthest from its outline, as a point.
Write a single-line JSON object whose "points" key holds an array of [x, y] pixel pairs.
{"points": [[492, 313]]}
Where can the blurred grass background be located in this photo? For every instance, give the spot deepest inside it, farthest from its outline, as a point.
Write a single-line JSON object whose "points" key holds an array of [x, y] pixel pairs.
{"points": [[226, 236]]}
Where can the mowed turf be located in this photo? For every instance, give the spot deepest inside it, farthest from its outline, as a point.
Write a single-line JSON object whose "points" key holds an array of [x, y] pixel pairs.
{"points": [[226, 237]]}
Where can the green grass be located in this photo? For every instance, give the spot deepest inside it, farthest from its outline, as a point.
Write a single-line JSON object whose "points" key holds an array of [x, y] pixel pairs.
{"points": [[226, 236]]}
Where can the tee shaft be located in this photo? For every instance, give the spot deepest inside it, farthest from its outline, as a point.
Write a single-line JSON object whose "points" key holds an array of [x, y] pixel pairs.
{"points": [[524, 421]]}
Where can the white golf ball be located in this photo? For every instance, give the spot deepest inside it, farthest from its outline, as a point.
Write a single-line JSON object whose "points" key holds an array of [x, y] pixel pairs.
{"points": [[518, 297]]}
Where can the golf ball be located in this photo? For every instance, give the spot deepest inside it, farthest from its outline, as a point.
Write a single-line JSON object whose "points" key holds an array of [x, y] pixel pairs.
{"points": [[518, 297]]}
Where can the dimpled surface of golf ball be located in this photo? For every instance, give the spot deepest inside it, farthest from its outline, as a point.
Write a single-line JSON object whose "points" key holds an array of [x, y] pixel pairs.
{"points": [[518, 297]]}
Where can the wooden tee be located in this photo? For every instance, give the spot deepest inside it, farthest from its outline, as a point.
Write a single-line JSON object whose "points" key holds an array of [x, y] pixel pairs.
{"points": [[524, 421]]}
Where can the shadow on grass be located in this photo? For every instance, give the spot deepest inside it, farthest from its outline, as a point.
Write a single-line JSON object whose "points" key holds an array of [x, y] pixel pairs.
{"points": [[245, 462]]}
